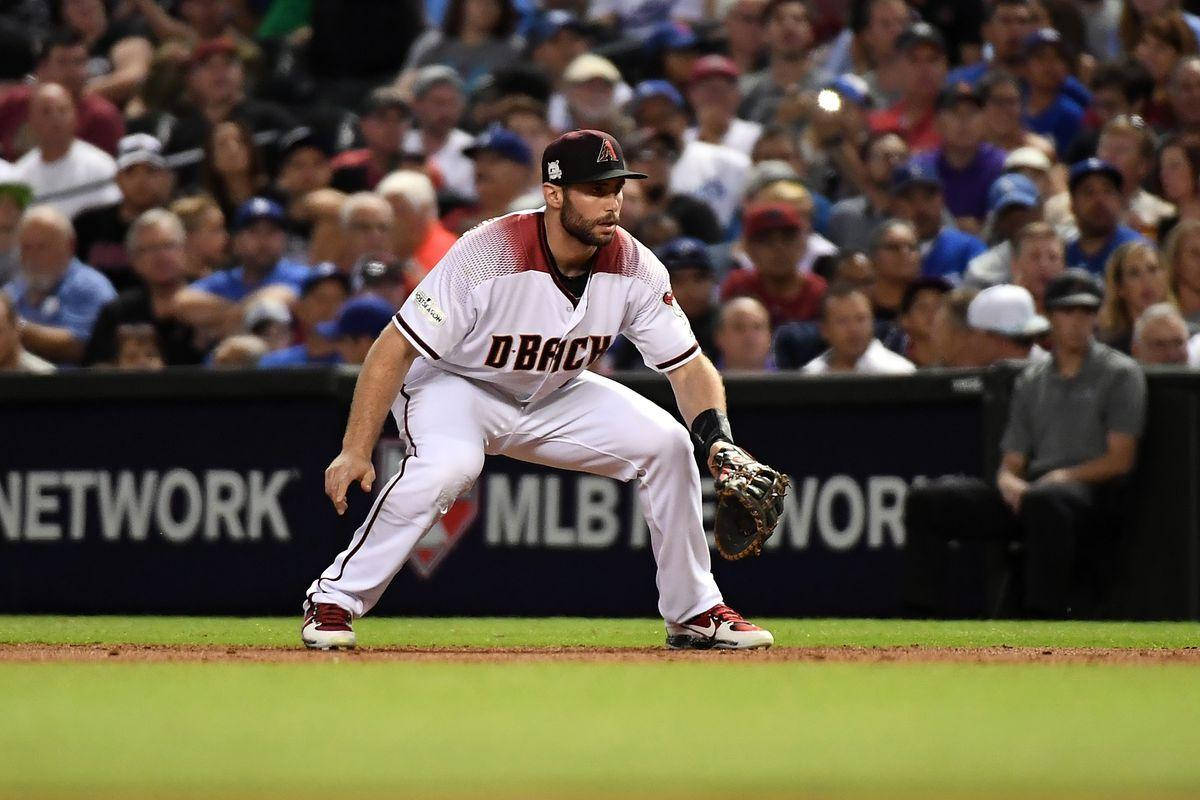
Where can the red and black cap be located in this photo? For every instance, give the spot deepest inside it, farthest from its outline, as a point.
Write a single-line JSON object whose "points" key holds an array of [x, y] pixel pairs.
{"points": [[582, 157]]}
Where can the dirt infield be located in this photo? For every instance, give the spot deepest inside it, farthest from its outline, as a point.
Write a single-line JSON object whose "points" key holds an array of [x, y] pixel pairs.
{"points": [[913, 653]]}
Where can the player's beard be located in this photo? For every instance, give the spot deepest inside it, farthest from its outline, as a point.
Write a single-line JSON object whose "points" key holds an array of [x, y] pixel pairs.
{"points": [[582, 228]]}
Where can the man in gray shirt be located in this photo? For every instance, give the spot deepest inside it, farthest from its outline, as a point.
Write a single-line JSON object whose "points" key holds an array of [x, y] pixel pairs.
{"points": [[1072, 435]]}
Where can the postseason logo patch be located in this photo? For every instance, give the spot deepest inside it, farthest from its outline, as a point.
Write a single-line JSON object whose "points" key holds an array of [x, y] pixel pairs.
{"points": [[425, 303]]}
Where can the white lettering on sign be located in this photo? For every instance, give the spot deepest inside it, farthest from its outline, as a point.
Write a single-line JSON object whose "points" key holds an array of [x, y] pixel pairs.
{"points": [[178, 505]]}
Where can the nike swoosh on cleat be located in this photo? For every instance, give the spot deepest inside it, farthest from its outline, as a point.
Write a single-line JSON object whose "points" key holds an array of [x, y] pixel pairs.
{"points": [[707, 632]]}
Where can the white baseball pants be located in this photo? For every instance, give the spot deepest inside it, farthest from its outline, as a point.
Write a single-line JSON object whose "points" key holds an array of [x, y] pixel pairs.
{"points": [[592, 424]]}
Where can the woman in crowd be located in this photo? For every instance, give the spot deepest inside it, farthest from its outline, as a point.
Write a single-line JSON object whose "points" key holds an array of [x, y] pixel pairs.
{"points": [[206, 246], [233, 170], [1179, 179], [1165, 39], [1135, 280], [476, 39], [1181, 255]]}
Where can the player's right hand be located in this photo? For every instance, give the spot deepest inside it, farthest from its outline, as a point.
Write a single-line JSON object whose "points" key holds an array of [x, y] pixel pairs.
{"points": [[343, 471]]}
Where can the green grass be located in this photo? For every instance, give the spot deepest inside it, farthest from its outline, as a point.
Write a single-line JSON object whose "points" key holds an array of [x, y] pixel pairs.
{"points": [[719, 726], [573, 631]]}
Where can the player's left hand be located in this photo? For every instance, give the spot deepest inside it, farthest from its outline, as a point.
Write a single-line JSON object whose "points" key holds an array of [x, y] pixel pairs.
{"points": [[749, 501], [343, 471]]}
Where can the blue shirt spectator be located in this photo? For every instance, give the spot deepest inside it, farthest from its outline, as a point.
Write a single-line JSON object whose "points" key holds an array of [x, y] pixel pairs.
{"points": [[1075, 257], [73, 304], [259, 240], [231, 283]]}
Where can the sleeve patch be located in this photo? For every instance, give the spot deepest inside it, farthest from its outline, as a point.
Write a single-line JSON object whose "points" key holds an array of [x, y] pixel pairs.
{"points": [[426, 306]]}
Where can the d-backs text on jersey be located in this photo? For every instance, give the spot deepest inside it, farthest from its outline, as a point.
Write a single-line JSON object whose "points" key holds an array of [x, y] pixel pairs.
{"points": [[529, 351]]}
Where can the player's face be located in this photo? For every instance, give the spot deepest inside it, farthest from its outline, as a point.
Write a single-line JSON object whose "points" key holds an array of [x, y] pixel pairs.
{"points": [[590, 211]]}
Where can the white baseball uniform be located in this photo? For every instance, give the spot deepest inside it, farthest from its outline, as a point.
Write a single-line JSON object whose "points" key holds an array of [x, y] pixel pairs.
{"points": [[504, 349]]}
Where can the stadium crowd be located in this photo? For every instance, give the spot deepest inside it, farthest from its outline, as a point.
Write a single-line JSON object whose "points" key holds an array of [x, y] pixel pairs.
{"points": [[876, 186]]}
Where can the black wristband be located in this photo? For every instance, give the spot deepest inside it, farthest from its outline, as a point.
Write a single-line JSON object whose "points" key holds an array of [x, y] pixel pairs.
{"points": [[710, 427]]}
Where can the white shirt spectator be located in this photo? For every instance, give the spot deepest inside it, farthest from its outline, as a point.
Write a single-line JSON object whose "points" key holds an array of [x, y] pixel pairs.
{"points": [[741, 136], [877, 360], [457, 170], [713, 173], [80, 180]]}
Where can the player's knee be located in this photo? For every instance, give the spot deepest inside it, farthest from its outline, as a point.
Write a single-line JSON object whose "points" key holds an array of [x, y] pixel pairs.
{"points": [[452, 467], [671, 442]]}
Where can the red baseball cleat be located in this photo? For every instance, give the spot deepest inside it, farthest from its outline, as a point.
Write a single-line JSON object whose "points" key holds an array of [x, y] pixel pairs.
{"points": [[719, 628], [327, 627]]}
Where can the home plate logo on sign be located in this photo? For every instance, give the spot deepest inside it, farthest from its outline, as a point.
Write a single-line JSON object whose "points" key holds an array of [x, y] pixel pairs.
{"points": [[438, 541], [432, 548]]}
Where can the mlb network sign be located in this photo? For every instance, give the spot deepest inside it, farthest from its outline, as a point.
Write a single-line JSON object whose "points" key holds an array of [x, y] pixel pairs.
{"points": [[179, 506]]}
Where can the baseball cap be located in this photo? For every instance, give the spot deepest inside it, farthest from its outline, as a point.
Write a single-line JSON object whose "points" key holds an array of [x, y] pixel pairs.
{"points": [[764, 173], [584, 156], [1008, 310], [684, 252], [373, 271], [361, 316], [671, 36], [16, 188], [1027, 158], [255, 209], [1094, 166], [322, 272], [1013, 189], [222, 45], [139, 148], [714, 66], [268, 309], [656, 88], [1045, 37], [950, 96], [384, 98], [502, 142], [549, 24], [913, 173], [300, 138], [587, 66], [435, 75], [853, 89], [917, 34], [771, 217], [1074, 288]]}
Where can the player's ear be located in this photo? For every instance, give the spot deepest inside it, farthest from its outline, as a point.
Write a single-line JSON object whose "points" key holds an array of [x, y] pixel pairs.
{"points": [[552, 193]]}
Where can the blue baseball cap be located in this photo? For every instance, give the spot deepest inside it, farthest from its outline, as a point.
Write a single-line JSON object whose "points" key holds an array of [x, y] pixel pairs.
{"points": [[1013, 189], [684, 252], [914, 173], [1094, 166], [656, 88], [325, 271], [852, 88], [549, 24], [363, 316], [258, 208], [502, 142]]}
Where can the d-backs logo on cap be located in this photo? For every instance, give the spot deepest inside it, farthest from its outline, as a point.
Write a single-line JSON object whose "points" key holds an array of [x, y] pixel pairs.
{"points": [[554, 171], [607, 153]]}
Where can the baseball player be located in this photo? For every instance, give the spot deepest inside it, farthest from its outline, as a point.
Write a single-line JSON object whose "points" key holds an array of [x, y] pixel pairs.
{"points": [[490, 355]]}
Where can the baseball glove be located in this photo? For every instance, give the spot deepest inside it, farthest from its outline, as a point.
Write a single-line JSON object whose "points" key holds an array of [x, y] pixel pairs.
{"points": [[749, 502]]}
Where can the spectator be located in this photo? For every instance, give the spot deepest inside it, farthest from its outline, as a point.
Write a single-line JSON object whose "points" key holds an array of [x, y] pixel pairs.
{"points": [[746, 39], [1182, 257], [846, 324], [1003, 124], [743, 336], [1005, 26], [1098, 206], [503, 164], [714, 96], [119, 48], [356, 327], [775, 244], [1179, 177], [1134, 280], [920, 305], [793, 193], [779, 143], [526, 117], [592, 97], [419, 235], [657, 156], [137, 347], [15, 196], [711, 173], [1183, 92], [951, 334], [1128, 144], [13, 356], [636, 19], [1160, 336], [1038, 258], [556, 39], [1004, 325], [693, 282], [774, 94], [1071, 439], [1164, 41], [1118, 87], [965, 163], [1049, 107], [831, 144], [438, 105], [155, 243], [868, 46], [233, 170], [305, 166], [385, 122], [240, 350], [61, 59], [57, 296], [917, 197], [368, 227], [145, 183], [63, 171], [1135, 15], [389, 280], [1035, 165], [1013, 203], [206, 247], [922, 64], [896, 260], [852, 220], [476, 38], [322, 293], [271, 321]]}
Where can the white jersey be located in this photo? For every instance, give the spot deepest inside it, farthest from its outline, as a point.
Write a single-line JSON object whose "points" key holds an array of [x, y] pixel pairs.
{"points": [[496, 309]]}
